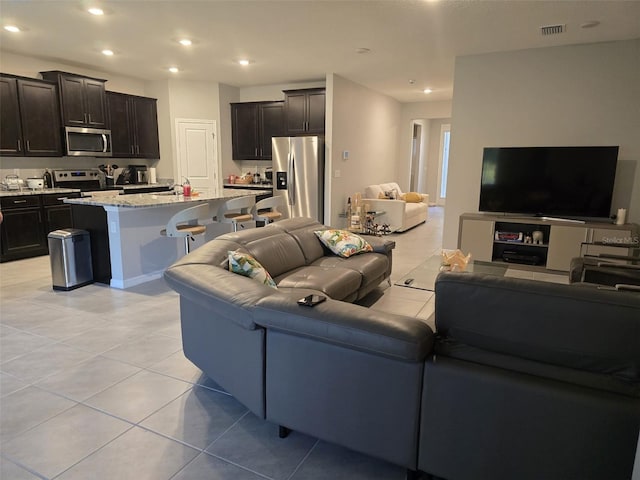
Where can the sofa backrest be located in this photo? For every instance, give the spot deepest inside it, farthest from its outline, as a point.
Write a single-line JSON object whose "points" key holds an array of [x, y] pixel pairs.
{"points": [[580, 328], [374, 191]]}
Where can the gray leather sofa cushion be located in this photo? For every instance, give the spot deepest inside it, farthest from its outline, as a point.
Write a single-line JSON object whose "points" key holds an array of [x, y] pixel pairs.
{"points": [[593, 330], [336, 283], [347, 325], [371, 266]]}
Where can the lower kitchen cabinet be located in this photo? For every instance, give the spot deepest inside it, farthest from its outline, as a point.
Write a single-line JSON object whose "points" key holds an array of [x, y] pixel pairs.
{"points": [[27, 221], [22, 228]]}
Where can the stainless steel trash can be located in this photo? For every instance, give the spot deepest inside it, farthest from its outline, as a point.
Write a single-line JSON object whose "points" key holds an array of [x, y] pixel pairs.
{"points": [[70, 256]]}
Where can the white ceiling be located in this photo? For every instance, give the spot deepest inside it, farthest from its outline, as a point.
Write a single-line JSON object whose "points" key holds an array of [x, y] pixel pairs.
{"points": [[303, 40]]}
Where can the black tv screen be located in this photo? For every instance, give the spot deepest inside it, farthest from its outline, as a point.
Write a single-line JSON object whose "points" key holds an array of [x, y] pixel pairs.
{"points": [[553, 181]]}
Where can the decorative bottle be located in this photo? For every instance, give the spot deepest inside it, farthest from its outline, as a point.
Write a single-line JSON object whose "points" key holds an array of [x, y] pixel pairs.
{"points": [[47, 179]]}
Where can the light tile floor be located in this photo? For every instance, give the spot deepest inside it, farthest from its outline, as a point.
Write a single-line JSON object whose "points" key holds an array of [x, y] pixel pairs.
{"points": [[94, 385]]}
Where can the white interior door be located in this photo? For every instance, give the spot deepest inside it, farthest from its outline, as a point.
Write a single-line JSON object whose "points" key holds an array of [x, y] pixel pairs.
{"points": [[197, 155]]}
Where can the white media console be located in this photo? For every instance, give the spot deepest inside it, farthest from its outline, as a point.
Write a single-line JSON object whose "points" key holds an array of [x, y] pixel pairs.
{"points": [[483, 236]]}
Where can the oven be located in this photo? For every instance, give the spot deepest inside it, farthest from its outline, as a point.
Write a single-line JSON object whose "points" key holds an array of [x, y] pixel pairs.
{"points": [[90, 181]]}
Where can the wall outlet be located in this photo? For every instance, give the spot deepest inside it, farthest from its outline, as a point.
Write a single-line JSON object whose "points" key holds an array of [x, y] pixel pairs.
{"points": [[336, 174]]}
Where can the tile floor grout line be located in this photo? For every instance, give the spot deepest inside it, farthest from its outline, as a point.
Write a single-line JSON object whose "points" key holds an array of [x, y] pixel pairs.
{"points": [[230, 427], [267, 477], [92, 453], [313, 447], [24, 467]]}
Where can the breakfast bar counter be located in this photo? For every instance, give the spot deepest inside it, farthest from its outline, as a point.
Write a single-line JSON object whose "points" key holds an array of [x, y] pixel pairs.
{"points": [[126, 245]]}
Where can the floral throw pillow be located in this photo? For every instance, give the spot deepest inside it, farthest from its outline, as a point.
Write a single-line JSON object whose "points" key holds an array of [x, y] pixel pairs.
{"points": [[244, 264], [343, 242]]}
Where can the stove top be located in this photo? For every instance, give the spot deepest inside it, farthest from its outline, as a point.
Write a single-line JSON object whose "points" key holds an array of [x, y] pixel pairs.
{"points": [[85, 180]]}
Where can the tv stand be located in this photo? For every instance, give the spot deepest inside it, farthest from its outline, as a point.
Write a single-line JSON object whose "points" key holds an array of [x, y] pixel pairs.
{"points": [[556, 219], [510, 239]]}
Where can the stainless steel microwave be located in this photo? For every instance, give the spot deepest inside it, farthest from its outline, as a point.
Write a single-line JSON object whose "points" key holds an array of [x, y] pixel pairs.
{"points": [[87, 142]]}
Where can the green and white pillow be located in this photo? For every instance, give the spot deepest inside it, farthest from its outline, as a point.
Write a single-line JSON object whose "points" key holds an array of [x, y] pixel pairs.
{"points": [[343, 242], [244, 264]]}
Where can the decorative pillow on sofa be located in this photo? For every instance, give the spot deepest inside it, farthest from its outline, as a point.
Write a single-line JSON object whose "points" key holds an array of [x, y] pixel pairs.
{"points": [[244, 264], [412, 197], [343, 242], [388, 195]]}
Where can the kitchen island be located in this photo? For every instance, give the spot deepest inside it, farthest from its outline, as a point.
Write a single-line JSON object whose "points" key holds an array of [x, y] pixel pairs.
{"points": [[126, 245]]}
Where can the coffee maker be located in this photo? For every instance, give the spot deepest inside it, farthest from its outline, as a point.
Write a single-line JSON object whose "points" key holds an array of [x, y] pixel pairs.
{"points": [[133, 175]]}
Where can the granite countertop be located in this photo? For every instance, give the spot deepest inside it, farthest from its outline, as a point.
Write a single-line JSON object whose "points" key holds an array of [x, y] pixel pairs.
{"points": [[36, 191], [150, 200], [248, 186], [143, 185]]}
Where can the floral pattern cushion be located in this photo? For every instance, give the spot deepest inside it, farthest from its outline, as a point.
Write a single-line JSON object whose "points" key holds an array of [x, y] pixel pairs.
{"points": [[244, 264], [343, 242]]}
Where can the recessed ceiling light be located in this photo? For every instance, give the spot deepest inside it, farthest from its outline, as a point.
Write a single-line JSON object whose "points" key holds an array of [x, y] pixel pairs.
{"points": [[96, 11], [107, 52], [427, 91], [363, 50], [590, 24], [12, 28], [174, 69], [411, 82], [185, 41], [243, 62]]}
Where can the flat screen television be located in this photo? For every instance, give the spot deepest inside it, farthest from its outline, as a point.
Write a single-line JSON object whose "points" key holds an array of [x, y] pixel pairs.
{"points": [[566, 182]]}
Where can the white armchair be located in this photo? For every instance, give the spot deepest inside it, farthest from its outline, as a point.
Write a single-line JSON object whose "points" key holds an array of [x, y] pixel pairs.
{"points": [[400, 215]]}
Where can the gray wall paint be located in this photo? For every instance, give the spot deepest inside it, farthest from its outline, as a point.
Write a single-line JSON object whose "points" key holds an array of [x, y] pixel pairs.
{"points": [[574, 95]]}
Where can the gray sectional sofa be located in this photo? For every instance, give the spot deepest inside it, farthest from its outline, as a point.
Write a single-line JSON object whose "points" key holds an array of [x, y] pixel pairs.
{"points": [[337, 371], [524, 380]]}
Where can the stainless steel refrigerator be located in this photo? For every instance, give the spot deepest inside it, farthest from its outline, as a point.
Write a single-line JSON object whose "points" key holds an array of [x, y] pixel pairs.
{"points": [[298, 166]]}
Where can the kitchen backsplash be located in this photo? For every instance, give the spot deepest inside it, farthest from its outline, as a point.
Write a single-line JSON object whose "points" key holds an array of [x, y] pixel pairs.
{"points": [[26, 167]]}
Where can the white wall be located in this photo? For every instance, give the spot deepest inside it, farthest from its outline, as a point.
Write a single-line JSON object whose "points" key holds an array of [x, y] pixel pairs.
{"points": [[274, 92], [574, 95], [31, 67], [366, 124]]}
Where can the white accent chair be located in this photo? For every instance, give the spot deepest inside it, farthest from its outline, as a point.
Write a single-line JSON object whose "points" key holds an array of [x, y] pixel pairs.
{"points": [[236, 211], [266, 210], [185, 224], [400, 215]]}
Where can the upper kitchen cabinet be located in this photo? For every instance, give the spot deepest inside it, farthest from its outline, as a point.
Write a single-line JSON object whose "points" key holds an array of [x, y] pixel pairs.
{"points": [[82, 99], [305, 111], [134, 126], [253, 124], [29, 118]]}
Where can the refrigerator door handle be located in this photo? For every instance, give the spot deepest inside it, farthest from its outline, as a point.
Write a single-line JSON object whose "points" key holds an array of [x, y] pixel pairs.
{"points": [[291, 190]]}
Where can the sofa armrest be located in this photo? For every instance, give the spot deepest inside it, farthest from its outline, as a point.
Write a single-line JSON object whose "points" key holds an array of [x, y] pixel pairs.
{"points": [[381, 244], [425, 198], [222, 292], [394, 211], [349, 326]]}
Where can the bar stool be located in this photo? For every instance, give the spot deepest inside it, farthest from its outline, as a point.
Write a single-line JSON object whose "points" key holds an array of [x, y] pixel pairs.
{"points": [[236, 211], [185, 224], [266, 210]]}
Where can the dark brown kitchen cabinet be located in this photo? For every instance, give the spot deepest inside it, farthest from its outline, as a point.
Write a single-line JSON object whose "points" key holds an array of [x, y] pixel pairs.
{"points": [[305, 111], [57, 214], [27, 221], [21, 231], [253, 124], [134, 126], [29, 118], [82, 99]]}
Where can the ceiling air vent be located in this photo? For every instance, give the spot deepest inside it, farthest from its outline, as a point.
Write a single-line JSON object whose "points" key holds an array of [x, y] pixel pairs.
{"points": [[552, 29]]}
